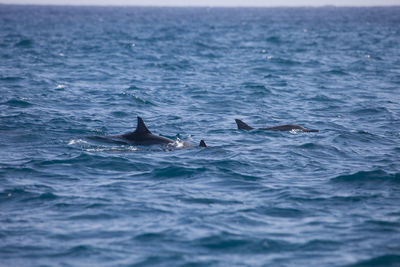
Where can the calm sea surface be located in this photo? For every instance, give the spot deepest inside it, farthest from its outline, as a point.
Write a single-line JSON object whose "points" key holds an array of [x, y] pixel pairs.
{"points": [[252, 198]]}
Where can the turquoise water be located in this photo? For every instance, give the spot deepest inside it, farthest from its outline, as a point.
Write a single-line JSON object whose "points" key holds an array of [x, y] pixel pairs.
{"points": [[252, 198]]}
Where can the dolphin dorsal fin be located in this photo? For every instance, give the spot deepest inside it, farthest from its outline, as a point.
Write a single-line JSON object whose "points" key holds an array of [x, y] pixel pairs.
{"points": [[202, 143], [243, 126], [141, 127]]}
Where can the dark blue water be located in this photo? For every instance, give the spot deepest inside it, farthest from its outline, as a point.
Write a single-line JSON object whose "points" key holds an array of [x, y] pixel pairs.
{"points": [[253, 198]]}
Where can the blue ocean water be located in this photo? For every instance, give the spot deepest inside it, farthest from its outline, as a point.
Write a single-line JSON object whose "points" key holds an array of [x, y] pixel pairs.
{"points": [[252, 198]]}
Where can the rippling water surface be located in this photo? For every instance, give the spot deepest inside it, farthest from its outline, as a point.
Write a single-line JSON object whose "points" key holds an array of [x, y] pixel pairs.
{"points": [[252, 198]]}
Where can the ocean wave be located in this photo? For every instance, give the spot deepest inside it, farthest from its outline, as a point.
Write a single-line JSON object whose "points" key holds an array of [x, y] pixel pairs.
{"points": [[387, 260], [75, 251], [137, 99], [233, 243], [311, 146], [177, 171], [235, 170], [369, 111], [321, 244], [11, 78], [209, 46], [388, 224], [257, 89], [27, 194], [369, 176], [337, 72], [25, 43], [20, 103], [274, 39], [208, 201], [325, 98], [355, 137], [81, 158], [93, 216], [283, 212], [285, 61]]}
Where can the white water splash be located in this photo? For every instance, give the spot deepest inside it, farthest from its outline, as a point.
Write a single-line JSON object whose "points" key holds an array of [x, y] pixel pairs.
{"points": [[77, 141], [113, 149]]}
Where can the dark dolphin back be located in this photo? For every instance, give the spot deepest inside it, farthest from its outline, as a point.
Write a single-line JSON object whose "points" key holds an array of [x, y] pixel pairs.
{"points": [[290, 127], [243, 126], [287, 127], [202, 144]]}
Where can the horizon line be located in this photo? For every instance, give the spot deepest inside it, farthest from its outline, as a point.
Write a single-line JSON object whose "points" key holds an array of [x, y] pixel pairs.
{"points": [[198, 6]]}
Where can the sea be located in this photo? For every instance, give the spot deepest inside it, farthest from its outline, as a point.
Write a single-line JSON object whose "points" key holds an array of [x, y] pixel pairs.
{"points": [[250, 198]]}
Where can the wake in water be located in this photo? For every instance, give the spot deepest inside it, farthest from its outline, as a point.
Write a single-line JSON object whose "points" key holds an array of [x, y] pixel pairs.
{"points": [[125, 146]]}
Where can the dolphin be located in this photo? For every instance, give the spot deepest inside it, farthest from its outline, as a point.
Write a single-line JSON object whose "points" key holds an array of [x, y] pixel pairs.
{"points": [[142, 136], [287, 127]]}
